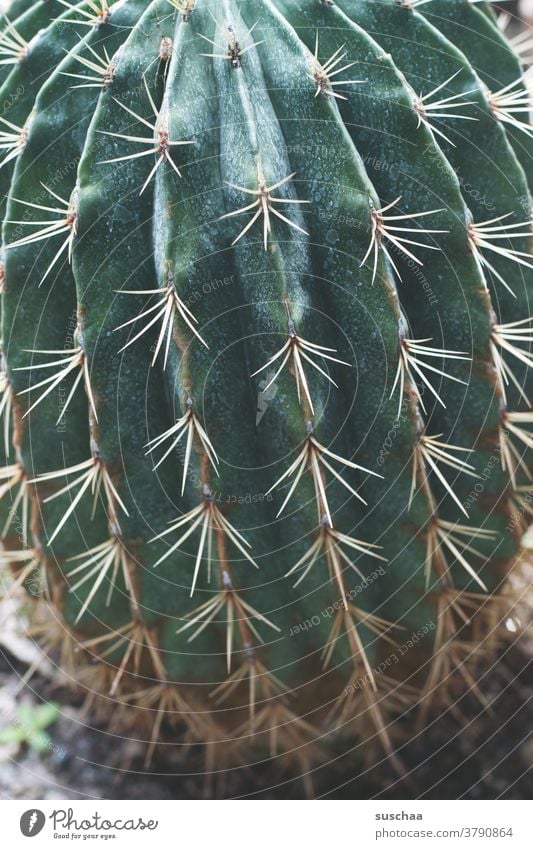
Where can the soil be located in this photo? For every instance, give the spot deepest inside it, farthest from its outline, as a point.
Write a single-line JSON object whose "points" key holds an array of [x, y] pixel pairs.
{"points": [[466, 752]]}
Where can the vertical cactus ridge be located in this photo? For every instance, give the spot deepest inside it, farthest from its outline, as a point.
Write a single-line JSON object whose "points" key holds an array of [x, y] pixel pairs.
{"points": [[266, 339], [418, 164], [507, 279], [496, 63], [435, 61], [48, 318], [21, 26]]}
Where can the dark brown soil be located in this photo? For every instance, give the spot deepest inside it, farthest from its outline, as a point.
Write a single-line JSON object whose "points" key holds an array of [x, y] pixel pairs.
{"points": [[466, 752]]}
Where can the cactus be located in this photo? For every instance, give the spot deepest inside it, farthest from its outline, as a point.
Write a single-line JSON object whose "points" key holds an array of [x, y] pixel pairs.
{"points": [[266, 348]]}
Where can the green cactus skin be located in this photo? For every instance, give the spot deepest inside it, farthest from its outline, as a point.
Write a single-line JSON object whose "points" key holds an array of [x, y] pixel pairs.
{"points": [[493, 59], [30, 17], [177, 584]]}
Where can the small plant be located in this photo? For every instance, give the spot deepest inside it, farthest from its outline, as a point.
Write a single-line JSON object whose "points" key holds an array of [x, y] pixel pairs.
{"points": [[29, 727], [265, 323]]}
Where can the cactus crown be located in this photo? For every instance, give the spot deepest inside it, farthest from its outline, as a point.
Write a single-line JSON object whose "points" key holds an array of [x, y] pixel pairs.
{"points": [[266, 331]]}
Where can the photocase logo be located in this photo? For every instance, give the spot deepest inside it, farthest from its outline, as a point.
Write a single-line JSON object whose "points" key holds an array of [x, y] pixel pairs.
{"points": [[32, 822]]}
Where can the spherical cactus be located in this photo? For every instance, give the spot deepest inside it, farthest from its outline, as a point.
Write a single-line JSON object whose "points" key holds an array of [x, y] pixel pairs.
{"points": [[266, 346]]}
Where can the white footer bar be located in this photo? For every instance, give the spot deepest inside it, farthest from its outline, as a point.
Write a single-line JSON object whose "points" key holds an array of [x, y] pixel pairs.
{"points": [[267, 824]]}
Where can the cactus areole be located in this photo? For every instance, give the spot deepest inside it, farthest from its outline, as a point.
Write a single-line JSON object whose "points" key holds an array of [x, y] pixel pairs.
{"points": [[265, 358]]}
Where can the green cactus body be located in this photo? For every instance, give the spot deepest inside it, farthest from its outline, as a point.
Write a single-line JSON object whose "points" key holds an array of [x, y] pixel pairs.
{"points": [[266, 346], [493, 58]]}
